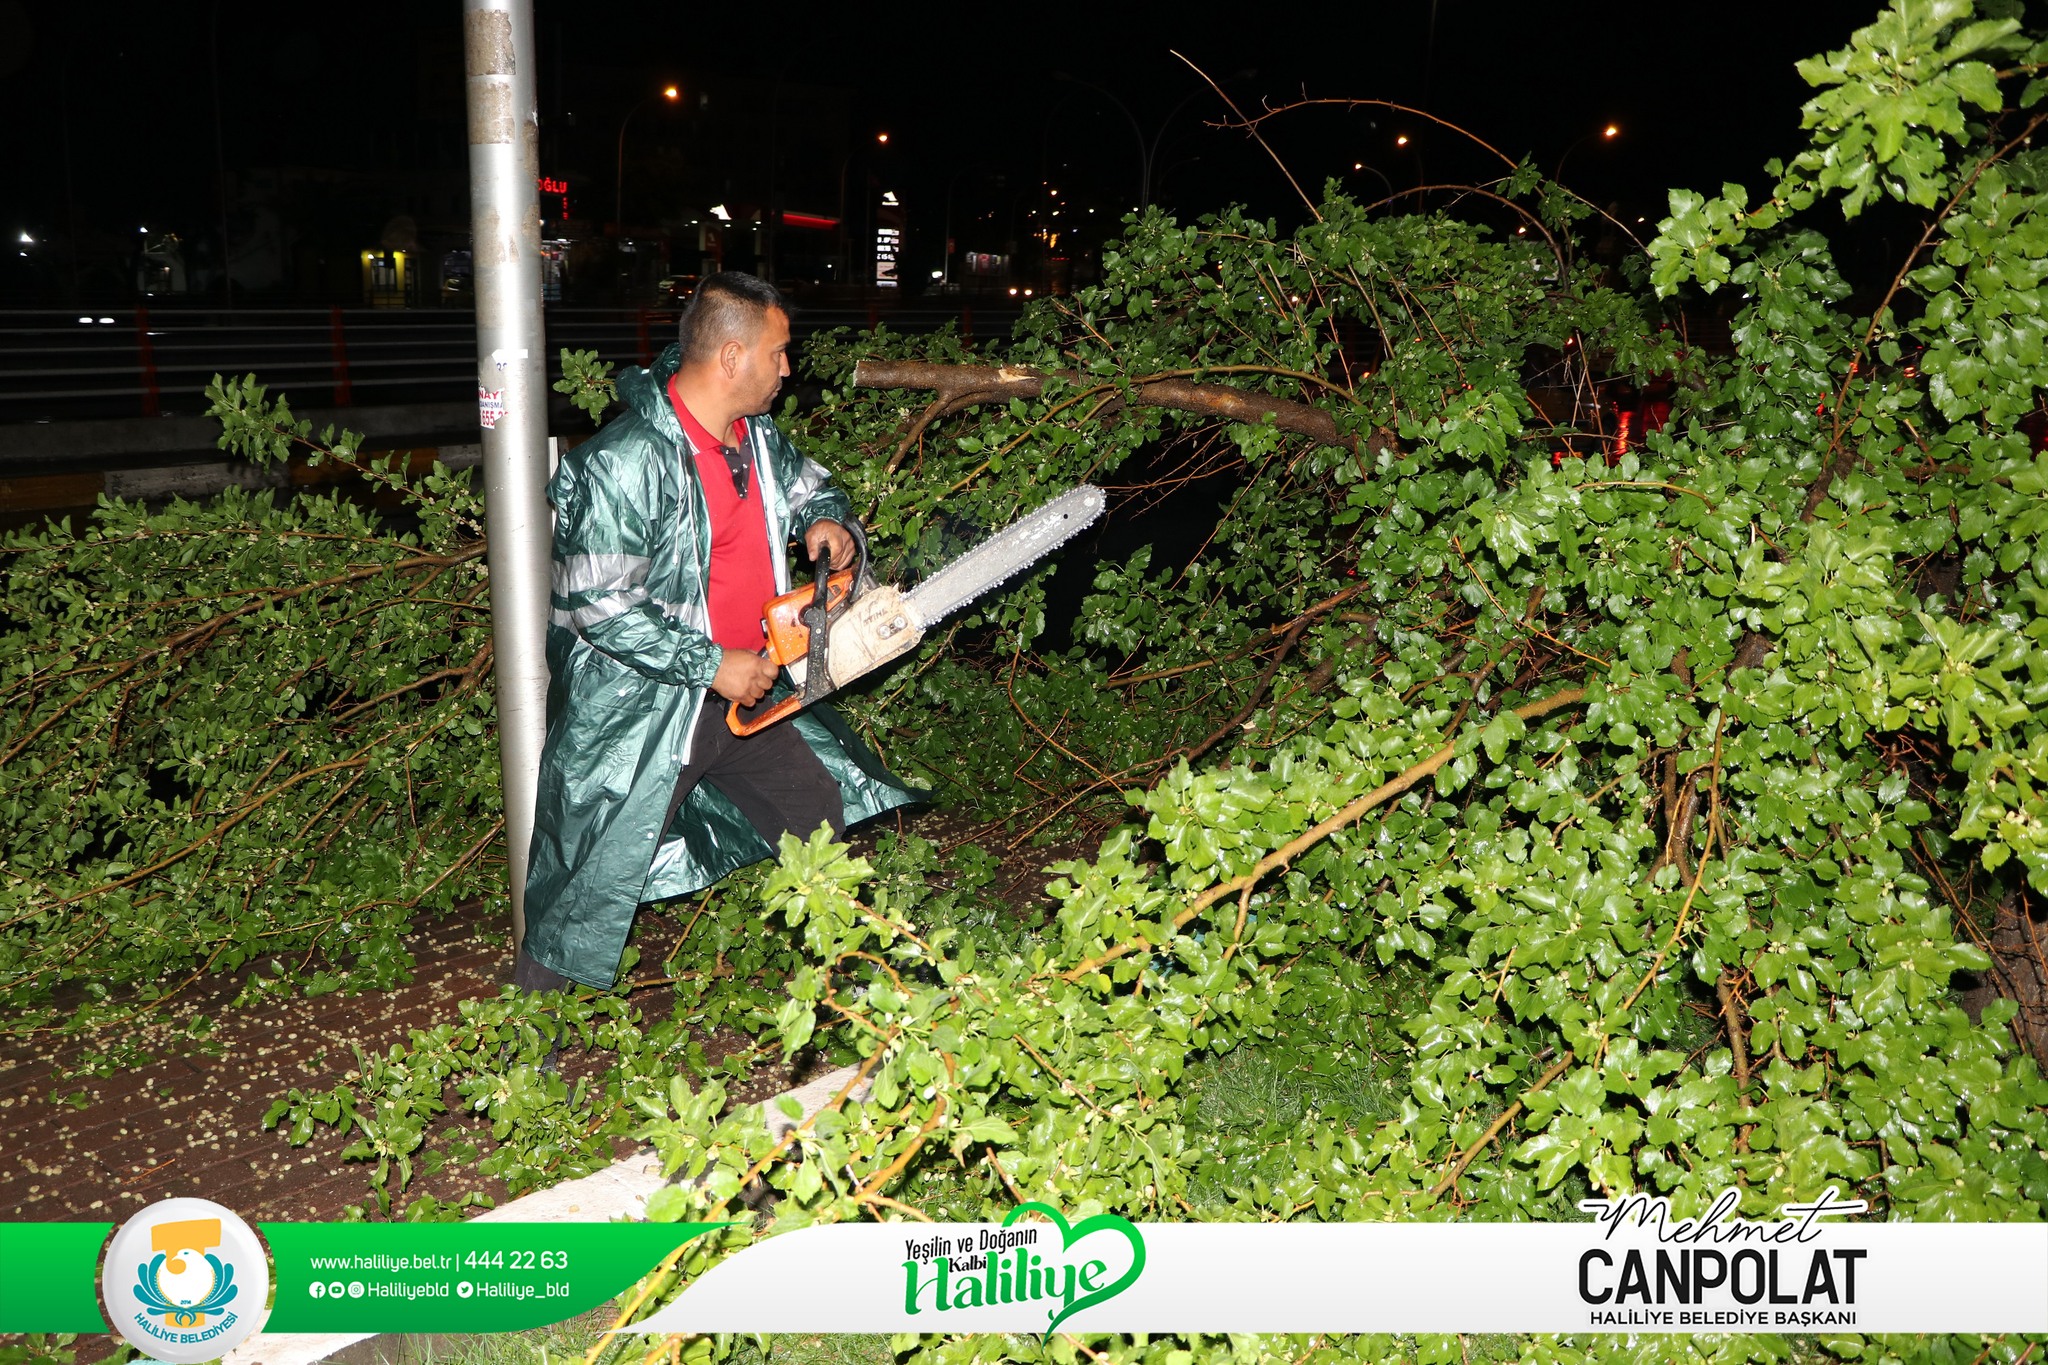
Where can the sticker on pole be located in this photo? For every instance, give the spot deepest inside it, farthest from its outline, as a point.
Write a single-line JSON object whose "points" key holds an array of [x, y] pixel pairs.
{"points": [[185, 1281], [490, 406]]}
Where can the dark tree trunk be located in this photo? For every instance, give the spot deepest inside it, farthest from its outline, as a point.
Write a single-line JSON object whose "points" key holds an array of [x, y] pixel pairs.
{"points": [[2017, 939]]}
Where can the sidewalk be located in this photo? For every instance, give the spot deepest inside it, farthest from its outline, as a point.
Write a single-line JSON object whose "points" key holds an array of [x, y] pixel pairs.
{"points": [[92, 1148]]}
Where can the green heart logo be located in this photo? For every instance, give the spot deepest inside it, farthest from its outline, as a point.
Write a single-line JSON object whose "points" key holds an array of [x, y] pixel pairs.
{"points": [[1101, 1222]]}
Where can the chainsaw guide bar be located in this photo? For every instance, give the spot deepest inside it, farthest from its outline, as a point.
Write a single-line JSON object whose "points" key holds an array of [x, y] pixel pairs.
{"points": [[1005, 554], [871, 625]]}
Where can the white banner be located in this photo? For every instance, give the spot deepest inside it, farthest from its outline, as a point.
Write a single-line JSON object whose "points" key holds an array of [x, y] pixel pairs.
{"points": [[1634, 1269]]}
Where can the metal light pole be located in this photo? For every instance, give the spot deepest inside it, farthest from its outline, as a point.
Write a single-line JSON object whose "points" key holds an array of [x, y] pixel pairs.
{"points": [[1608, 134], [946, 263], [1144, 151], [504, 196], [669, 93], [845, 236], [1148, 148], [220, 160]]}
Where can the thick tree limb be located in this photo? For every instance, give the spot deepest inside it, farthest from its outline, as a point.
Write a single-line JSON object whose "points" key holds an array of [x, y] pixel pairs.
{"points": [[959, 386]]}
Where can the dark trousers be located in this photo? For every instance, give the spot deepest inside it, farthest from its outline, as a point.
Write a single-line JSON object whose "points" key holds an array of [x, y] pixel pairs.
{"points": [[773, 778]]}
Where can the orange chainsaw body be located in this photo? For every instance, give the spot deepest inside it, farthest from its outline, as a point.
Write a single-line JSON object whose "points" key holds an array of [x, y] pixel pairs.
{"points": [[789, 640]]}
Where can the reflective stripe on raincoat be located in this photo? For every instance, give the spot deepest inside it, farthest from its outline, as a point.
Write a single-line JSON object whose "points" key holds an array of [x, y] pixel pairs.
{"points": [[629, 661]]}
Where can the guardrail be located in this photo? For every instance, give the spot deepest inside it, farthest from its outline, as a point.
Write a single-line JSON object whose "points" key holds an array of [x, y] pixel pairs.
{"points": [[64, 365]]}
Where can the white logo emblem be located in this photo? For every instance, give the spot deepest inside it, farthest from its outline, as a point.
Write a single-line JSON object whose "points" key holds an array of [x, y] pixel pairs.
{"points": [[185, 1281]]}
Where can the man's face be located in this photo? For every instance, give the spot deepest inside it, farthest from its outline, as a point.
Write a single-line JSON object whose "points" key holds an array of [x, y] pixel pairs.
{"points": [[763, 365]]}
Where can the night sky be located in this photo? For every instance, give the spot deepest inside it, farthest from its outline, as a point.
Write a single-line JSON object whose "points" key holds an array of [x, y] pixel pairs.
{"points": [[120, 95]]}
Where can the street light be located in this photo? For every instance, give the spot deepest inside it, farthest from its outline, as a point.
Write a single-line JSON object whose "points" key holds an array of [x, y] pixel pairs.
{"points": [[669, 93], [845, 238], [1606, 134], [1148, 149], [1360, 167], [881, 139], [1405, 143]]}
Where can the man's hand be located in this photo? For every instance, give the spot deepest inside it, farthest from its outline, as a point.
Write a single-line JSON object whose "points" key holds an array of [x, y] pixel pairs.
{"points": [[743, 677], [831, 536]]}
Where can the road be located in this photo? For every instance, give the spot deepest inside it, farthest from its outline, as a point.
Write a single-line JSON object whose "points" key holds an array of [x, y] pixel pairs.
{"points": [[111, 401], [155, 361]]}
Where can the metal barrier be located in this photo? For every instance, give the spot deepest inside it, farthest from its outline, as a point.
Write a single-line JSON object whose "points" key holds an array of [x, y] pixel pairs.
{"points": [[58, 365]]}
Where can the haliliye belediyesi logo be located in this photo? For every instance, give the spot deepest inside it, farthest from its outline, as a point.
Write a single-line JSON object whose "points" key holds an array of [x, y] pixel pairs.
{"points": [[185, 1280], [1018, 1263]]}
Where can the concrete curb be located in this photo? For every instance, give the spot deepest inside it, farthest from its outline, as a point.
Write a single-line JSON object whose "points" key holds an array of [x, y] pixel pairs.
{"points": [[620, 1190], [198, 480], [204, 480], [68, 444]]}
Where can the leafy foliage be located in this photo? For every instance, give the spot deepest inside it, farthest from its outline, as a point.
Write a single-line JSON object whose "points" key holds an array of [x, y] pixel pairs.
{"points": [[1672, 773], [240, 729], [491, 1058]]}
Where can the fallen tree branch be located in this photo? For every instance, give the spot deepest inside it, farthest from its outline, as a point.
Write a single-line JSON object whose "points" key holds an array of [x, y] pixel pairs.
{"points": [[1507, 1115], [1257, 643], [1738, 1037], [791, 1134], [258, 599], [943, 406], [361, 760], [468, 676], [873, 1185], [960, 386]]}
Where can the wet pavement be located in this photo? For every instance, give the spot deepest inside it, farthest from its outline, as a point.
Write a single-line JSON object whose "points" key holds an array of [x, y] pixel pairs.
{"points": [[188, 1121]]}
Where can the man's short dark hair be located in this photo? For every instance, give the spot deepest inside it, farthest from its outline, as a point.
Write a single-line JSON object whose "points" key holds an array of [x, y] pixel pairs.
{"points": [[728, 306]]}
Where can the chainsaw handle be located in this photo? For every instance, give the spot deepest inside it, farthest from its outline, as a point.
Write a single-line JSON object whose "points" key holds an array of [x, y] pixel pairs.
{"points": [[823, 566], [799, 632], [799, 627], [751, 720]]}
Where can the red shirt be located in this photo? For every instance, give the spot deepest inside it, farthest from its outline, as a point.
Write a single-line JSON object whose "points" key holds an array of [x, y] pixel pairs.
{"points": [[742, 574]]}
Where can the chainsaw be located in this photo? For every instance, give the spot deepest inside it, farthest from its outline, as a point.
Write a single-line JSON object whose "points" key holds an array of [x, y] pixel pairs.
{"points": [[845, 625]]}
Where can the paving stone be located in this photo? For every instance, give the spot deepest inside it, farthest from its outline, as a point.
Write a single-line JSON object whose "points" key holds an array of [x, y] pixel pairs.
{"points": [[188, 1120]]}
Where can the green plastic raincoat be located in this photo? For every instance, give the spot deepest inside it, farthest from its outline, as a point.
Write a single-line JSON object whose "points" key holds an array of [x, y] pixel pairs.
{"points": [[629, 665]]}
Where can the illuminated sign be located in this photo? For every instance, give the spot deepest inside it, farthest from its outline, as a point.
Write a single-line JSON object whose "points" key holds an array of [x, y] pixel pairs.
{"points": [[550, 185], [888, 242], [889, 224]]}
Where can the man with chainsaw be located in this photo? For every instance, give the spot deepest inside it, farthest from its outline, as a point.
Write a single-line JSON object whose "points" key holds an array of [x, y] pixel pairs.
{"points": [[670, 532]]}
